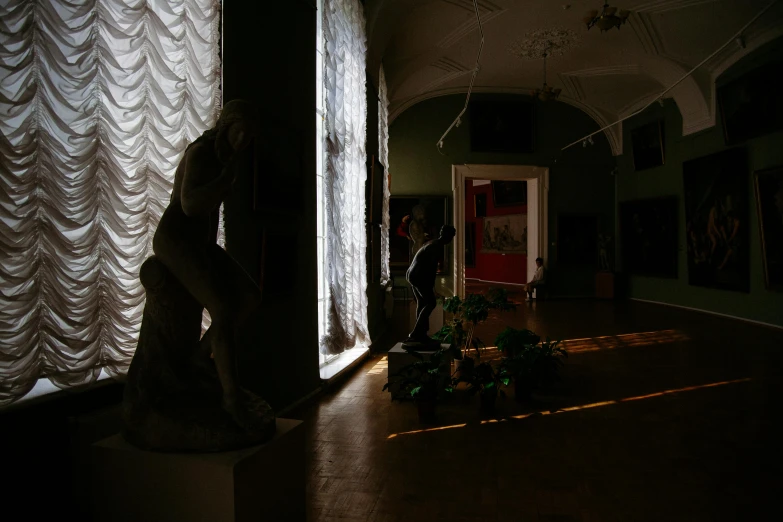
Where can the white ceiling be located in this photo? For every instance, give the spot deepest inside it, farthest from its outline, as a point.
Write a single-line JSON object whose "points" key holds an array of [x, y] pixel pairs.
{"points": [[428, 48]]}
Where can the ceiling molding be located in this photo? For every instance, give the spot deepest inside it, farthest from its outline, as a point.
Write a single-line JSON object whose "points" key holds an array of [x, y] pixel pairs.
{"points": [[614, 134], [662, 6], [644, 29], [734, 53], [471, 24], [451, 69]]}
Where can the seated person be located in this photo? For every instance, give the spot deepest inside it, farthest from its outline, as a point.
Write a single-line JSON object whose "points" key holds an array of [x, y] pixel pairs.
{"points": [[539, 279]]}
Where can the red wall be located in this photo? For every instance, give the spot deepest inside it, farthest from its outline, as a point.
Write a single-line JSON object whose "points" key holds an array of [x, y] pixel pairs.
{"points": [[503, 268]]}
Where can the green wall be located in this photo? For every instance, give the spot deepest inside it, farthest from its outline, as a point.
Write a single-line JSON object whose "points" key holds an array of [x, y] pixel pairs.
{"points": [[580, 178], [269, 58], [763, 152]]}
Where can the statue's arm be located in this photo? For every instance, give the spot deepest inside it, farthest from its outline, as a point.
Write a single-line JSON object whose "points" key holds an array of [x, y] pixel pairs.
{"points": [[202, 189]]}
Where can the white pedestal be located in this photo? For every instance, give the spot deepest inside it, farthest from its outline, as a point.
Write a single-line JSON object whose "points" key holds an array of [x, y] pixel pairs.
{"points": [[260, 483], [399, 358], [436, 317]]}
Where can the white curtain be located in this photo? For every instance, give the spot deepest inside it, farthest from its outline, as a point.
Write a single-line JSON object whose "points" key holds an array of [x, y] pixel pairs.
{"points": [[345, 174], [98, 100], [383, 143]]}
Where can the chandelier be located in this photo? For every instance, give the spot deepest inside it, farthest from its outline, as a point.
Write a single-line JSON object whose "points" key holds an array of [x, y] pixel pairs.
{"points": [[546, 92], [609, 17]]}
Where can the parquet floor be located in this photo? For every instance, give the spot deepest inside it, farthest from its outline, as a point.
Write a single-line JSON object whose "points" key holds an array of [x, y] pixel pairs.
{"points": [[662, 415]]}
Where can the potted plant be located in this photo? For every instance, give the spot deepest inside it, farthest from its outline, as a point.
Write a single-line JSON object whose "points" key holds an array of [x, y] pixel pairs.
{"points": [[424, 380], [534, 367], [459, 331], [485, 380], [512, 341]]}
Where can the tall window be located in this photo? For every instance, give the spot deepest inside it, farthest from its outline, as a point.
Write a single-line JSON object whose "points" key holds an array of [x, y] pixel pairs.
{"points": [[98, 100], [342, 173]]}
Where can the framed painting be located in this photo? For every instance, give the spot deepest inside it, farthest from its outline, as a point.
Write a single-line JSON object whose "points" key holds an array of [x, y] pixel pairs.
{"points": [[509, 193], [505, 234], [649, 236], [716, 220], [752, 105], [648, 146], [413, 221], [501, 126], [470, 244], [769, 205], [480, 205], [577, 239]]}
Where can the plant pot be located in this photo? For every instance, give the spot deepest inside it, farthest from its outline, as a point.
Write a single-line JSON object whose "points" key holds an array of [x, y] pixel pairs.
{"points": [[488, 401], [426, 409], [522, 390]]}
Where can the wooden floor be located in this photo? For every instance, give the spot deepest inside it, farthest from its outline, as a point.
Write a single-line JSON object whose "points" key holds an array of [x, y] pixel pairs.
{"points": [[662, 415]]}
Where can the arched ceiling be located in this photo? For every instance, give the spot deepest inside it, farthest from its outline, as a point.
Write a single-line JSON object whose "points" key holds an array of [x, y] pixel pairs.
{"points": [[428, 48]]}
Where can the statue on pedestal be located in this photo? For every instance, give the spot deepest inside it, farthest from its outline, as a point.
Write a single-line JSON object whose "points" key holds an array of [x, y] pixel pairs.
{"points": [[182, 392], [421, 276]]}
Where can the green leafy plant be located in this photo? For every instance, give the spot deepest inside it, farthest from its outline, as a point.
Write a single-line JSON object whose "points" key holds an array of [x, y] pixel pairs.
{"points": [[426, 378], [512, 341], [467, 314], [485, 379], [535, 366]]}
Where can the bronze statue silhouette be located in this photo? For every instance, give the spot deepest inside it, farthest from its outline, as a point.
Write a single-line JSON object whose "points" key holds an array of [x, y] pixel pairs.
{"points": [[421, 276], [183, 392]]}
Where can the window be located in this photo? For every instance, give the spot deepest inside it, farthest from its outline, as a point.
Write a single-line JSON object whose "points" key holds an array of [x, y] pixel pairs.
{"points": [[98, 104], [341, 120]]}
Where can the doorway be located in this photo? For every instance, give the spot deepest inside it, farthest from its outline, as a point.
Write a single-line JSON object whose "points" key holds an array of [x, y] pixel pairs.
{"points": [[537, 210]]}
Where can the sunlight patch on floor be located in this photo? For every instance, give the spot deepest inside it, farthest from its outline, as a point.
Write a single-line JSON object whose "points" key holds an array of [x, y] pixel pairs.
{"points": [[581, 407], [611, 342], [379, 367]]}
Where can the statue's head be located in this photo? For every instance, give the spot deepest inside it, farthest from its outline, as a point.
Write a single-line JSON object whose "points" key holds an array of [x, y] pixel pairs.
{"points": [[447, 233], [236, 126]]}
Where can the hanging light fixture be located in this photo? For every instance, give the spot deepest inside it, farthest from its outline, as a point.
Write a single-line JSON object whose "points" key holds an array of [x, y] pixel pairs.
{"points": [[546, 92], [608, 18]]}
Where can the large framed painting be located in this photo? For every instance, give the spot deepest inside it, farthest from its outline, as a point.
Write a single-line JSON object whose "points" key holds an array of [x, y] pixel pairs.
{"points": [[509, 193], [505, 234], [648, 233], [752, 105], [577, 239], [414, 220], [716, 220], [648, 146], [470, 244], [769, 205], [501, 126]]}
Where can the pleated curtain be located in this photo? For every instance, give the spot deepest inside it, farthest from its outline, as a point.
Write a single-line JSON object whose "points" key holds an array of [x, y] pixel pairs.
{"points": [[345, 174], [98, 100], [383, 145]]}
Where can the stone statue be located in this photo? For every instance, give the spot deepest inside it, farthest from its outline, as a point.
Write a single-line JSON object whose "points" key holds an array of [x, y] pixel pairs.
{"points": [[421, 276], [182, 392]]}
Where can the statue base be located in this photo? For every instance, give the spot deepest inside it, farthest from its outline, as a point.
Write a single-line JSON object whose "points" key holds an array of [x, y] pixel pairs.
{"points": [[399, 358], [260, 483]]}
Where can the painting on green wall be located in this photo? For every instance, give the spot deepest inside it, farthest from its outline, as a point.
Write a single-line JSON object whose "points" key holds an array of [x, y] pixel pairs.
{"points": [[769, 205], [415, 220], [648, 233], [716, 220], [752, 105]]}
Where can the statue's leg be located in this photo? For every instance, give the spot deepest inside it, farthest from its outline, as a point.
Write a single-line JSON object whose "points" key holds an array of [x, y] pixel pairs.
{"points": [[227, 292], [426, 302]]}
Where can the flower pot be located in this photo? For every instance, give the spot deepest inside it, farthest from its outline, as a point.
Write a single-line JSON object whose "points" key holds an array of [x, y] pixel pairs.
{"points": [[426, 409], [488, 401]]}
